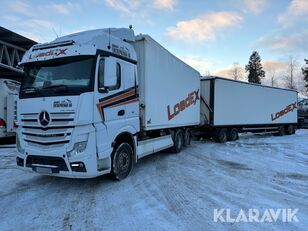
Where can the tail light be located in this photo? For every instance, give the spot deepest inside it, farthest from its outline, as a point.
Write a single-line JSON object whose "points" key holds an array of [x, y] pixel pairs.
{"points": [[2, 123]]}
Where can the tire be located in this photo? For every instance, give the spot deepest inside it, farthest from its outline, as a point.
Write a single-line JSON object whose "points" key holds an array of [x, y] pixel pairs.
{"points": [[178, 140], [290, 130], [122, 161], [232, 135], [281, 131], [222, 135], [187, 137]]}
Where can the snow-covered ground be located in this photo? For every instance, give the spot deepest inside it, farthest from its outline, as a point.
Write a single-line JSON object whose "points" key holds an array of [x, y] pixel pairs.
{"points": [[166, 191]]}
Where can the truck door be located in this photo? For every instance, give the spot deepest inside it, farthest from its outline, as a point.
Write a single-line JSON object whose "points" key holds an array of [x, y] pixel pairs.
{"points": [[111, 99]]}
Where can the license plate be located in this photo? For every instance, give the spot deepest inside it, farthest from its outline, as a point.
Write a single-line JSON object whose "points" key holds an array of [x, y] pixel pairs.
{"points": [[43, 170]]}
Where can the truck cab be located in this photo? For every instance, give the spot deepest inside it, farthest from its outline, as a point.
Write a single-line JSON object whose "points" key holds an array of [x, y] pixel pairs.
{"points": [[78, 96]]}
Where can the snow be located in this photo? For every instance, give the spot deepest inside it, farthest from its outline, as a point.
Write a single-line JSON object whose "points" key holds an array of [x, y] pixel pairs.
{"points": [[166, 191]]}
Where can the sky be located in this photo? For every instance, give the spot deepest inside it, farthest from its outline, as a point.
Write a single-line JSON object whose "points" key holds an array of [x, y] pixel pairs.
{"points": [[209, 35]]}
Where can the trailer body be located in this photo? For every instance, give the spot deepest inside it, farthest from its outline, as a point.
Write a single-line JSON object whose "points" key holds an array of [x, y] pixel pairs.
{"points": [[164, 82]]}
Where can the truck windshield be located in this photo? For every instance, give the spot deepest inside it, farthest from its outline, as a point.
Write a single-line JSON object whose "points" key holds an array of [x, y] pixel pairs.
{"points": [[58, 77]]}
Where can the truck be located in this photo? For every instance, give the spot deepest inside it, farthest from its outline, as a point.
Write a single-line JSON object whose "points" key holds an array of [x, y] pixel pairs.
{"points": [[95, 102], [9, 90], [303, 112], [230, 107]]}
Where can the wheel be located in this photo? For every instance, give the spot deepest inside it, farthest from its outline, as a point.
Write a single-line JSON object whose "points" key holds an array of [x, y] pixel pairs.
{"points": [[122, 161], [290, 130], [178, 140], [187, 137], [232, 134], [281, 131], [221, 135]]}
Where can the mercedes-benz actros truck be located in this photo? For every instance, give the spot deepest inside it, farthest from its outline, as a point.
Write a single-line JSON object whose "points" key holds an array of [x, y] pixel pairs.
{"points": [[95, 102]]}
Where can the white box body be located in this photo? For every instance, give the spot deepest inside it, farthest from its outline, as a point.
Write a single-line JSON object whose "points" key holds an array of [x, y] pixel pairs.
{"points": [[165, 80], [240, 103]]}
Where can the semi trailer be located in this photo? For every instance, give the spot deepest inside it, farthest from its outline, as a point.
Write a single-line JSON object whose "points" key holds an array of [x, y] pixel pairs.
{"points": [[9, 90], [95, 102]]}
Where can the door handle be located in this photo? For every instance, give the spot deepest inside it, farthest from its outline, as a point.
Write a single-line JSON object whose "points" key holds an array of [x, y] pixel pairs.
{"points": [[121, 113]]}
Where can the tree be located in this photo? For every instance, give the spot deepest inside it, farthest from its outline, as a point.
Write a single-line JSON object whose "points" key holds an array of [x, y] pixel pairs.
{"points": [[236, 71], [290, 76], [305, 73], [255, 68]]}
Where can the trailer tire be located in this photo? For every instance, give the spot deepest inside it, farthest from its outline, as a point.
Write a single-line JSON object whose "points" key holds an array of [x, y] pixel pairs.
{"points": [[233, 134], [187, 137], [221, 136], [281, 131], [178, 141], [122, 161], [290, 130]]}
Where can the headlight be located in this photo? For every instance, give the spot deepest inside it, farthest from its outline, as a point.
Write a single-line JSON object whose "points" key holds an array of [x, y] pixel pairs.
{"points": [[78, 148], [18, 147]]}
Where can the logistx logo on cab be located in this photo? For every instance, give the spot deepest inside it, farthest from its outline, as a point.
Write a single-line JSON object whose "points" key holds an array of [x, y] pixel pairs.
{"points": [[192, 99], [55, 52]]}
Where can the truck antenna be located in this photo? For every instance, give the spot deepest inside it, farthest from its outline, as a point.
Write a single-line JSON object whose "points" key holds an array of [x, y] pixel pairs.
{"points": [[109, 39], [54, 31]]}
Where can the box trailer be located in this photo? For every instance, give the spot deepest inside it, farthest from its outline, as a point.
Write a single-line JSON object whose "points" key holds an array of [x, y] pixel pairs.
{"points": [[95, 102], [229, 107]]}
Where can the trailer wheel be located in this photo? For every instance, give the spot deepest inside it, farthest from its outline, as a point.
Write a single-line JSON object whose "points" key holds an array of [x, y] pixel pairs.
{"points": [[232, 134], [122, 161], [290, 130], [178, 140], [187, 137], [221, 135], [281, 131]]}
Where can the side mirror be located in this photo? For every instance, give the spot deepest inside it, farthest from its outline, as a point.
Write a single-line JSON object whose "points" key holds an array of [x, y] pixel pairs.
{"points": [[110, 78]]}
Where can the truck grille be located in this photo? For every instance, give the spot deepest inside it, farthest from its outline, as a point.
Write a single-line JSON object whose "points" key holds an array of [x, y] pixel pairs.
{"points": [[57, 133]]}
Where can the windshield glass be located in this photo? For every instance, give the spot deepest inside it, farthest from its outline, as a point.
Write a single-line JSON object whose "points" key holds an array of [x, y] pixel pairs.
{"points": [[57, 77]]}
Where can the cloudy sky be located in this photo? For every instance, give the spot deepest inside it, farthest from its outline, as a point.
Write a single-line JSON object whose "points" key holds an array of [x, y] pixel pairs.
{"points": [[210, 35]]}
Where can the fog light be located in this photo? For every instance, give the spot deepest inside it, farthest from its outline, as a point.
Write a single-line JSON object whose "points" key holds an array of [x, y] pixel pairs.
{"points": [[78, 167]]}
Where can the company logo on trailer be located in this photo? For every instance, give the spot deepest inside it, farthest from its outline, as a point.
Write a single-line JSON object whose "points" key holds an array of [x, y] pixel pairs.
{"points": [[289, 108], [192, 99], [55, 52]]}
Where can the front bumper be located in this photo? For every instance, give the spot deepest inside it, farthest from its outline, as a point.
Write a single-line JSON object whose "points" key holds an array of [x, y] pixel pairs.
{"points": [[56, 162]]}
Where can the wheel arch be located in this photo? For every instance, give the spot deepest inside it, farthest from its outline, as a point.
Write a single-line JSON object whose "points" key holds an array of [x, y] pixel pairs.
{"points": [[126, 137]]}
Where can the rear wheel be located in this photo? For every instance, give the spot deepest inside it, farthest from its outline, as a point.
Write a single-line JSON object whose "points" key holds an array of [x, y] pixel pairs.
{"points": [[233, 134], [290, 130], [187, 137], [178, 141], [221, 135], [122, 161], [281, 131]]}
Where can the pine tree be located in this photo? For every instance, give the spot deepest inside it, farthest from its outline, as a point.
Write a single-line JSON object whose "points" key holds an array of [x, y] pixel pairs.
{"points": [[255, 68], [305, 73]]}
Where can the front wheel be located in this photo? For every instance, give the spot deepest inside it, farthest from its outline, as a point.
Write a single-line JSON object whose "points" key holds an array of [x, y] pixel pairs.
{"points": [[122, 161]]}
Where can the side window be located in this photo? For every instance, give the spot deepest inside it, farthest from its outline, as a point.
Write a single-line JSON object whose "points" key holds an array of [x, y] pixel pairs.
{"points": [[101, 69], [118, 76]]}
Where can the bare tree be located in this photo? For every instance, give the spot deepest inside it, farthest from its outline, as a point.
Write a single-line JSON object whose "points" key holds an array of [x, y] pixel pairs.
{"points": [[272, 73], [292, 65], [236, 71]]}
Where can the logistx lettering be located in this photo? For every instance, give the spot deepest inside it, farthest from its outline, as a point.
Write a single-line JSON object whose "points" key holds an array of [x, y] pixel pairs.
{"points": [[55, 52], [192, 99], [289, 108]]}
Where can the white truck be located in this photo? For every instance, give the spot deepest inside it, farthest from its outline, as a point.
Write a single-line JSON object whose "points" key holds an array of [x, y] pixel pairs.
{"points": [[95, 102], [229, 107], [9, 90]]}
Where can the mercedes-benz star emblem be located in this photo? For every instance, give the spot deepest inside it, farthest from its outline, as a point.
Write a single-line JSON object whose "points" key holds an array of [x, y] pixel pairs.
{"points": [[44, 118]]}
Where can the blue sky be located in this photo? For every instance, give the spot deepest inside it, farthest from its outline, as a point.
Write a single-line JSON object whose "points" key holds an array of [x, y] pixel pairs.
{"points": [[209, 35]]}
